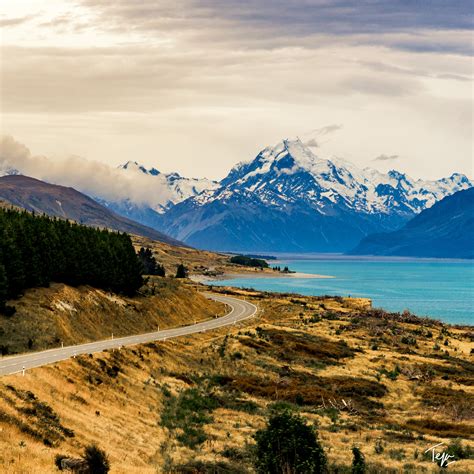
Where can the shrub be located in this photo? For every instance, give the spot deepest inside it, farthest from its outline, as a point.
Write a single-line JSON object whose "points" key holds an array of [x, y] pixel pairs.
{"points": [[358, 461], [378, 446], [456, 449], [188, 412], [408, 340], [288, 445], [96, 459], [181, 271], [58, 459]]}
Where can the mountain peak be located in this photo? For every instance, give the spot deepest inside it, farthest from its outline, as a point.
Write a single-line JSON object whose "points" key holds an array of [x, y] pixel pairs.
{"points": [[135, 166]]}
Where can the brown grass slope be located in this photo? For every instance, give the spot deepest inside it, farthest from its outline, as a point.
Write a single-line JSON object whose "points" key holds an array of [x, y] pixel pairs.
{"points": [[394, 385], [45, 317]]}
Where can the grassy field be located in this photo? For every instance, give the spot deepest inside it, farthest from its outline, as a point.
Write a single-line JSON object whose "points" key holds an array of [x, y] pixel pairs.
{"points": [[392, 385]]}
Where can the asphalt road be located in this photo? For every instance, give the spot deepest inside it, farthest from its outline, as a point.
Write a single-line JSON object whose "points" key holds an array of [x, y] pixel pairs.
{"points": [[239, 310]]}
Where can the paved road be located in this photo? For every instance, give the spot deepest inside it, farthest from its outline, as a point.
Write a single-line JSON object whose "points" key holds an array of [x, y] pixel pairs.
{"points": [[239, 310]]}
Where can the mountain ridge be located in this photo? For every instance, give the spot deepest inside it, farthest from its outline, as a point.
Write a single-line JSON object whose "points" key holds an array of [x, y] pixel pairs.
{"points": [[288, 199], [64, 202], [445, 230]]}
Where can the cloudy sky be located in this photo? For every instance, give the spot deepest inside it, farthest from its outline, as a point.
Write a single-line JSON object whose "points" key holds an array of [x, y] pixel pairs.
{"points": [[195, 86]]}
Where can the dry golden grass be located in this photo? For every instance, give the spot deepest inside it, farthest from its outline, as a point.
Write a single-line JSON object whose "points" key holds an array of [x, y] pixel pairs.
{"points": [[199, 262], [293, 348], [48, 316]]}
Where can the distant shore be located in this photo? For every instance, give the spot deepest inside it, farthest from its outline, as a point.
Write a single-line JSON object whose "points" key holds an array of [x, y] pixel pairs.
{"points": [[232, 276]]}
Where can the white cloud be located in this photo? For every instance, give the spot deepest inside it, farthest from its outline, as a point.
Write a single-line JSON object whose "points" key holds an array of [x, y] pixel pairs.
{"points": [[91, 177], [196, 86]]}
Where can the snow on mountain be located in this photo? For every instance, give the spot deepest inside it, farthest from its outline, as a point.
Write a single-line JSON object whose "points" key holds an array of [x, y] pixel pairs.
{"points": [[8, 171], [288, 199], [291, 172], [170, 188]]}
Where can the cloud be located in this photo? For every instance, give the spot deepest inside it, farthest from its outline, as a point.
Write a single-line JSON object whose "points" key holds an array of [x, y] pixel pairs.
{"points": [[271, 23], [197, 85], [91, 177], [327, 129], [312, 143], [6, 22], [386, 158]]}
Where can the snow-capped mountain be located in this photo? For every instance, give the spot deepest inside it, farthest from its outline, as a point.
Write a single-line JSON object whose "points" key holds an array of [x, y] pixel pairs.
{"points": [[445, 230], [166, 191], [288, 199], [8, 171], [171, 188]]}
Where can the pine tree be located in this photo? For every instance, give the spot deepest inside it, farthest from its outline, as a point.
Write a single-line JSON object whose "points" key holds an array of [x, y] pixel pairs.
{"points": [[181, 272]]}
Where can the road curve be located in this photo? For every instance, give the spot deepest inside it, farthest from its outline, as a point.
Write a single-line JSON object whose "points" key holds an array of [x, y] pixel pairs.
{"points": [[239, 311]]}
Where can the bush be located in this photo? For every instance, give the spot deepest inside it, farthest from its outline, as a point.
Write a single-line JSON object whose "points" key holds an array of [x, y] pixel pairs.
{"points": [[58, 459], [288, 445], [182, 271], [358, 462], [456, 449], [188, 412], [96, 459]]}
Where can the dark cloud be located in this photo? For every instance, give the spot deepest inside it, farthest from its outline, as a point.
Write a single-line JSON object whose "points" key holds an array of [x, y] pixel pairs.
{"points": [[267, 22], [386, 158]]}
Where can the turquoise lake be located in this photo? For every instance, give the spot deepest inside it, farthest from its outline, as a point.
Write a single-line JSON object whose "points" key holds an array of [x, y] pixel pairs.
{"points": [[440, 289]]}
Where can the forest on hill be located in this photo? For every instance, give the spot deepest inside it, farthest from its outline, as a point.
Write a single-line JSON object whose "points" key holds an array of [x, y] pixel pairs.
{"points": [[36, 250]]}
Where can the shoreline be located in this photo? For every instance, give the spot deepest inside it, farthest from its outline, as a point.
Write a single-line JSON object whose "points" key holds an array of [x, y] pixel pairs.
{"points": [[199, 278]]}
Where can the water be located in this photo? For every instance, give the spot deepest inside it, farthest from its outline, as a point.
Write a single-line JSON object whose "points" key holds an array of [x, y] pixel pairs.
{"points": [[442, 289]]}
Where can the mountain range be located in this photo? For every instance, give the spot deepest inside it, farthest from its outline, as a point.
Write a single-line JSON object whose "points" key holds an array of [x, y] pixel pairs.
{"points": [[67, 203], [289, 200], [444, 230], [286, 199], [170, 189]]}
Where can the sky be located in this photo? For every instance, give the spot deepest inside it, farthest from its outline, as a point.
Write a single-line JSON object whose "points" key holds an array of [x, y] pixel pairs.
{"points": [[195, 86]]}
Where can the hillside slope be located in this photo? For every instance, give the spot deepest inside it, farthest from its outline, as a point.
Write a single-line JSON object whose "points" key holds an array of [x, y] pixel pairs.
{"points": [[445, 230], [45, 317], [364, 378], [67, 203]]}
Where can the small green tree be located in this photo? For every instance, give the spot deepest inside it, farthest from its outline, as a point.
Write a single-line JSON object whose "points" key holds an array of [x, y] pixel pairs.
{"points": [[288, 445], [182, 271], [96, 459], [358, 461]]}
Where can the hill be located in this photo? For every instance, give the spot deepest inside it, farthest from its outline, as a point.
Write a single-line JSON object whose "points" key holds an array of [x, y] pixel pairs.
{"points": [[67, 203], [445, 230], [289, 200], [392, 384]]}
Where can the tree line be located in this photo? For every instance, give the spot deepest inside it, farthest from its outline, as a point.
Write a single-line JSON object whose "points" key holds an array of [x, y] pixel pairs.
{"points": [[246, 261], [36, 250]]}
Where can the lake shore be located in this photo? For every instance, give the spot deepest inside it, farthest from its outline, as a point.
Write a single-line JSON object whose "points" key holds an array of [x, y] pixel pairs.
{"points": [[199, 278]]}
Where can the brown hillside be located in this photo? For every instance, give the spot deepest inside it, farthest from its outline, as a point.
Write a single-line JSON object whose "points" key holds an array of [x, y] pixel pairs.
{"points": [[387, 383]]}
